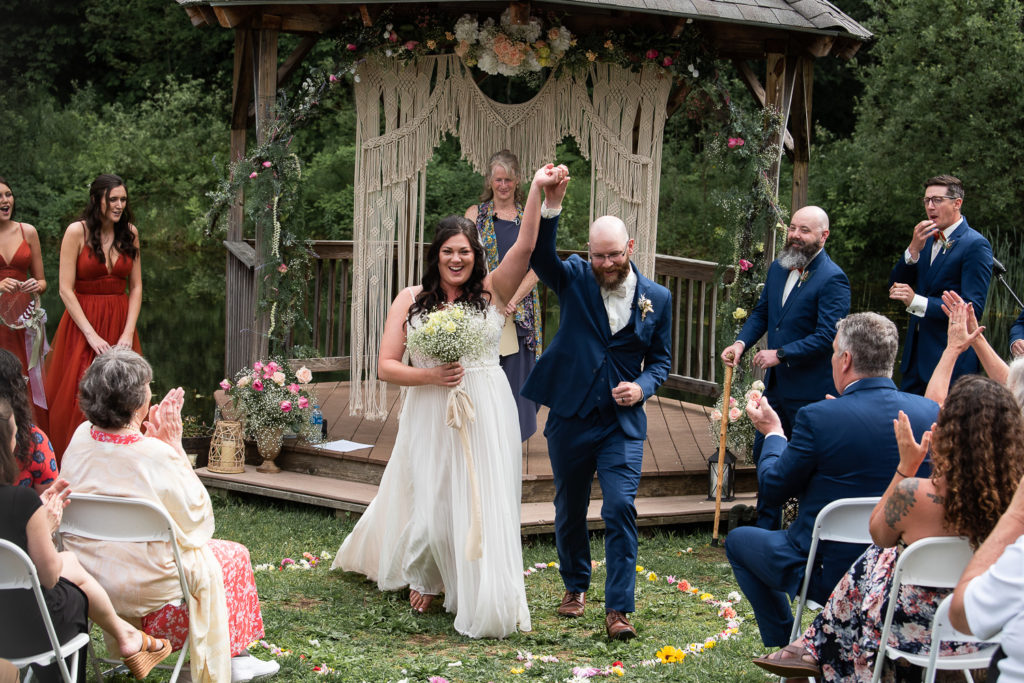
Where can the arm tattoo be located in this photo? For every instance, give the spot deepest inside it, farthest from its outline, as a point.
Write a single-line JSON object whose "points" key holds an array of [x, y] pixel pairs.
{"points": [[900, 502]]}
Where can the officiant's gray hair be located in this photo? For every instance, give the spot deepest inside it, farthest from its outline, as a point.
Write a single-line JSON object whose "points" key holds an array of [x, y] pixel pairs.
{"points": [[114, 387], [872, 340], [610, 226]]}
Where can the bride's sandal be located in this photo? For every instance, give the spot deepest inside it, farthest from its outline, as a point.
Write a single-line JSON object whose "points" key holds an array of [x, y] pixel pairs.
{"points": [[143, 661]]}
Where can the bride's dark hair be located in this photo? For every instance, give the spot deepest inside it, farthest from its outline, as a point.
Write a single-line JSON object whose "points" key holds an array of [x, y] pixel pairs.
{"points": [[473, 292]]}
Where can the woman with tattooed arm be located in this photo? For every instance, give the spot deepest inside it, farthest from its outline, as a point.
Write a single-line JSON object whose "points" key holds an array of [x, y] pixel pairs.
{"points": [[977, 459]]}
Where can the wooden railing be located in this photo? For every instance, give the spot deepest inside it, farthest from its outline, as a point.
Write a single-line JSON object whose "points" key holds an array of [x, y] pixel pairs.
{"points": [[691, 282]]}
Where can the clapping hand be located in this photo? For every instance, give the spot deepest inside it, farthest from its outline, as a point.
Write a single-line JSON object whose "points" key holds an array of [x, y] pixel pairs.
{"points": [[54, 500], [957, 336], [164, 421], [912, 453]]}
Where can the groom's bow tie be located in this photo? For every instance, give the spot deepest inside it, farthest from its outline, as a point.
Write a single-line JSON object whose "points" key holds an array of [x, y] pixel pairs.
{"points": [[619, 292]]}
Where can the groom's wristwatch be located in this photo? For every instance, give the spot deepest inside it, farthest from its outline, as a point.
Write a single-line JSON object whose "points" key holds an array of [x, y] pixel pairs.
{"points": [[780, 353]]}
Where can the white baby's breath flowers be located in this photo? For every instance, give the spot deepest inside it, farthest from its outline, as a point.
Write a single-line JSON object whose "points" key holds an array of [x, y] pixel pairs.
{"points": [[449, 334]]}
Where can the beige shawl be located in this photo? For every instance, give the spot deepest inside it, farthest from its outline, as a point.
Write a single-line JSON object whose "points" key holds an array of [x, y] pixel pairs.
{"points": [[140, 577]]}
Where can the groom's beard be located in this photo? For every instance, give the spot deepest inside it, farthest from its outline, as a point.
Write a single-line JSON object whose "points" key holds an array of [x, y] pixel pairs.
{"points": [[798, 254], [610, 277]]}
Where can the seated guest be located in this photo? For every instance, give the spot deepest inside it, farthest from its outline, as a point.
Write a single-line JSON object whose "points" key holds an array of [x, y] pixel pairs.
{"points": [[1017, 336], [109, 455], [977, 456], [29, 520], [37, 463], [989, 598], [840, 448]]}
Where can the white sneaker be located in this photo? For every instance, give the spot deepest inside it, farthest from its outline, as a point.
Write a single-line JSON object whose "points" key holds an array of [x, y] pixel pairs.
{"points": [[245, 667]]}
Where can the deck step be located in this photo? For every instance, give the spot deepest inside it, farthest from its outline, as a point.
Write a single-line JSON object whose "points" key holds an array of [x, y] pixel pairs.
{"points": [[536, 517]]}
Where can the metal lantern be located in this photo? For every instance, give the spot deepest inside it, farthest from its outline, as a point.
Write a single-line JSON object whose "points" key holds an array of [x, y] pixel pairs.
{"points": [[227, 448], [728, 476]]}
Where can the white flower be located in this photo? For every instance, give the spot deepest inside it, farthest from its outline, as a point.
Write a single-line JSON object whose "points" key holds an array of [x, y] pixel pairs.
{"points": [[304, 375], [466, 29], [488, 63]]}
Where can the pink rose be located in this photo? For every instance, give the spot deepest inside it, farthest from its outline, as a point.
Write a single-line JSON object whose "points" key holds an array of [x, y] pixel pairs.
{"points": [[278, 378], [716, 415], [273, 366], [753, 396], [304, 375], [293, 387], [735, 142], [257, 366], [734, 414], [393, 37], [282, 268], [332, 78], [351, 47], [651, 54], [732, 401], [267, 164], [667, 61], [411, 45], [303, 402], [225, 385], [286, 406], [745, 265], [257, 385], [253, 174]]}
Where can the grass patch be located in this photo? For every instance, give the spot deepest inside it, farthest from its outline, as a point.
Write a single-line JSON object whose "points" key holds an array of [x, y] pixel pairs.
{"points": [[342, 621]]}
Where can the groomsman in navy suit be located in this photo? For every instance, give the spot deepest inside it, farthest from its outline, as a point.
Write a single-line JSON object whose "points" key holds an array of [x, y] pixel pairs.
{"points": [[1017, 336], [841, 448], [944, 254], [804, 296], [610, 355]]}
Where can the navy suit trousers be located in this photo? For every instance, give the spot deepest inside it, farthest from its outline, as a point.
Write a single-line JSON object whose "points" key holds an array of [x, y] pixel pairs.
{"points": [[770, 517], [578, 447]]}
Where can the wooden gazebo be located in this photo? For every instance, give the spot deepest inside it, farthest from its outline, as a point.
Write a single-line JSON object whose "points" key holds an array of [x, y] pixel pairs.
{"points": [[786, 35]]}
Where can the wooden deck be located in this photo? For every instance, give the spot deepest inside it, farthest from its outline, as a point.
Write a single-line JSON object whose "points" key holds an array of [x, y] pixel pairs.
{"points": [[673, 484]]}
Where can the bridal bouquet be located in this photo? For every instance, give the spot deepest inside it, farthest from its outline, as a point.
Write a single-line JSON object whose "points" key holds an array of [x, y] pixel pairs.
{"points": [[448, 334]]}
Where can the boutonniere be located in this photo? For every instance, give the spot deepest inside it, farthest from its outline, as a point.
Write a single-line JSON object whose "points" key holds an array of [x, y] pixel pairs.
{"points": [[805, 275], [645, 306], [947, 245]]}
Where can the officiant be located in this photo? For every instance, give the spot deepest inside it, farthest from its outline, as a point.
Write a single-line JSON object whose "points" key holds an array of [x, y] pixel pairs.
{"points": [[497, 220]]}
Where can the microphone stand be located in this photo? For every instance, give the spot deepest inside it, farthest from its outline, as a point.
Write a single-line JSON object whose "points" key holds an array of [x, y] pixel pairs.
{"points": [[999, 269]]}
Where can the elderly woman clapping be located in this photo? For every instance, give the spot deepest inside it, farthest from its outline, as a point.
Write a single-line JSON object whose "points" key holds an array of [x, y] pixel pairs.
{"points": [[127, 449]]}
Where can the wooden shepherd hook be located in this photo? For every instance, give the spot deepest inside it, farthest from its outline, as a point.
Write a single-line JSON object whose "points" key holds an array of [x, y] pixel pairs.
{"points": [[727, 387]]}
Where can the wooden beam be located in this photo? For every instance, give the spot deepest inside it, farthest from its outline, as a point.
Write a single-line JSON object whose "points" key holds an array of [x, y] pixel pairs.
{"points": [[676, 99], [755, 88], [266, 66], [364, 13], [779, 83], [821, 45], [233, 17], [801, 125], [677, 30], [285, 71]]}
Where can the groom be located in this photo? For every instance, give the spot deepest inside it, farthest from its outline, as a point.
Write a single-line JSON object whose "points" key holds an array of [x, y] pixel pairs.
{"points": [[609, 356]]}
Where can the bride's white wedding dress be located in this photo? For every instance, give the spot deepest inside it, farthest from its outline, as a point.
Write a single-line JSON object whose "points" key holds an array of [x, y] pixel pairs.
{"points": [[414, 532]]}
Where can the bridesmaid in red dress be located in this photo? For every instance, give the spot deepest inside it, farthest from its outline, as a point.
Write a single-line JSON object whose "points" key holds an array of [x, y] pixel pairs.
{"points": [[21, 269], [99, 257]]}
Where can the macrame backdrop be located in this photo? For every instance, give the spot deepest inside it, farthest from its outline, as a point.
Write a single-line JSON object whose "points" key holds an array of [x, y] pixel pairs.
{"points": [[616, 116]]}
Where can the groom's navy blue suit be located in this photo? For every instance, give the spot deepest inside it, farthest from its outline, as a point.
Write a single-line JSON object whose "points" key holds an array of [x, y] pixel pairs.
{"points": [[586, 430], [843, 448]]}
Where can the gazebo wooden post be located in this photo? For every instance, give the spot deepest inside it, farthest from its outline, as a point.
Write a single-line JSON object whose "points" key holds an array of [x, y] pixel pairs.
{"points": [[238, 313], [801, 129], [781, 68], [265, 62]]}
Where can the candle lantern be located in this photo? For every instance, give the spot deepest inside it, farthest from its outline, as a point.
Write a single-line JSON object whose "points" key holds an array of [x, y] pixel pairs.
{"points": [[728, 476], [227, 448]]}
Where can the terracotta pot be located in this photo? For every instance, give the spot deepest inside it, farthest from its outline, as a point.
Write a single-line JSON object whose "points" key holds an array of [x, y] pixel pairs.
{"points": [[268, 442]]}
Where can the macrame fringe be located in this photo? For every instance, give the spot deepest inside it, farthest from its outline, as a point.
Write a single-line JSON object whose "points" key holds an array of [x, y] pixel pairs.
{"points": [[616, 116]]}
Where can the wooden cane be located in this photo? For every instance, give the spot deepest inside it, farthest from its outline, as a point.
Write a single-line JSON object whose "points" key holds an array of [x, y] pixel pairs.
{"points": [[721, 452]]}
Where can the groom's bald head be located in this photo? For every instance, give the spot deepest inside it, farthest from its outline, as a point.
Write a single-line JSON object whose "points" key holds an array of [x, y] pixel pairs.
{"points": [[608, 228]]}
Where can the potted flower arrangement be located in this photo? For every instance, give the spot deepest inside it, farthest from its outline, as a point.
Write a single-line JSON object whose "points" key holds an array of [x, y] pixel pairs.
{"points": [[271, 398]]}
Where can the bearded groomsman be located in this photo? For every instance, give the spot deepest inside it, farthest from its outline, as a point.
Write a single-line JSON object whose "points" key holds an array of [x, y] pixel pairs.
{"points": [[804, 296]]}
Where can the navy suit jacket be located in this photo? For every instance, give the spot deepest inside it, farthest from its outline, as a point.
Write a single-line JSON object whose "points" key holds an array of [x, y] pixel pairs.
{"points": [[1017, 330], [841, 448], [569, 373], [804, 328], [965, 268]]}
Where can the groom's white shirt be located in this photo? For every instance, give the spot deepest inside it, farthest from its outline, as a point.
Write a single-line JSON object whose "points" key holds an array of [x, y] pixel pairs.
{"points": [[618, 302]]}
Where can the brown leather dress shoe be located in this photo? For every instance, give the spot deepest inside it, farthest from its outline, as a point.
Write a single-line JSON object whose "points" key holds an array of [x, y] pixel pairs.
{"points": [[618, 626], [572, 604]]}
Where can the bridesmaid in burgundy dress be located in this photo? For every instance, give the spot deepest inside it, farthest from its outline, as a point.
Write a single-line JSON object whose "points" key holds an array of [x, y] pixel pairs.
{"points": [[99, 259], [21, 270]]}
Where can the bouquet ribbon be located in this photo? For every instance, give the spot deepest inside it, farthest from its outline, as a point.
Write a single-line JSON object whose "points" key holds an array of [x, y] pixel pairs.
{"points": [[459, 413]]}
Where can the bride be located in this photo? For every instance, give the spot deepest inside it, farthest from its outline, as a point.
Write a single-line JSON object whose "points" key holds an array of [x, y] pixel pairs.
{"points": [[414, 531]]}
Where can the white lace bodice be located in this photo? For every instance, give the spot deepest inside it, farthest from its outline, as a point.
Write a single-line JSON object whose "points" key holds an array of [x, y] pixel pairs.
{"points": [[491, 322]]}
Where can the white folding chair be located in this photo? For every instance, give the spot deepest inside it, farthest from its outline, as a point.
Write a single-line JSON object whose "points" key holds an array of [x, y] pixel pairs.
{"points": [[844, 521], [934, 563], [123, 520], [18, 571]]}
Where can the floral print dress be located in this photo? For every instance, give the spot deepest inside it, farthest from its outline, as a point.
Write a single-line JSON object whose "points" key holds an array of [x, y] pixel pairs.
{"points": [[844, 637]]}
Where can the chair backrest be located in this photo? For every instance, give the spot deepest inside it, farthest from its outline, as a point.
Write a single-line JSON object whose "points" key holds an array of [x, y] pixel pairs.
{"points": [[126, 520], [16, 567]]}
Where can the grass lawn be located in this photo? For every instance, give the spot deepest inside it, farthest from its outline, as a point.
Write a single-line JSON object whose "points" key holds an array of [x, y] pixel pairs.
{"points": [[323, 617]]}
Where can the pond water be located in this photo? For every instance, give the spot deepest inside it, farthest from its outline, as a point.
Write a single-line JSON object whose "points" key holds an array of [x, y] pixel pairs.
{"points": [[181, 324]]}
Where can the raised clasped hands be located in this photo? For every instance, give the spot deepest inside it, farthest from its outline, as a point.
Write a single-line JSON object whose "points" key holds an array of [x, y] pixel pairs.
{"points": [[54, 500], [554, 180], [164, 421], [912, 453], [448, 375]]}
